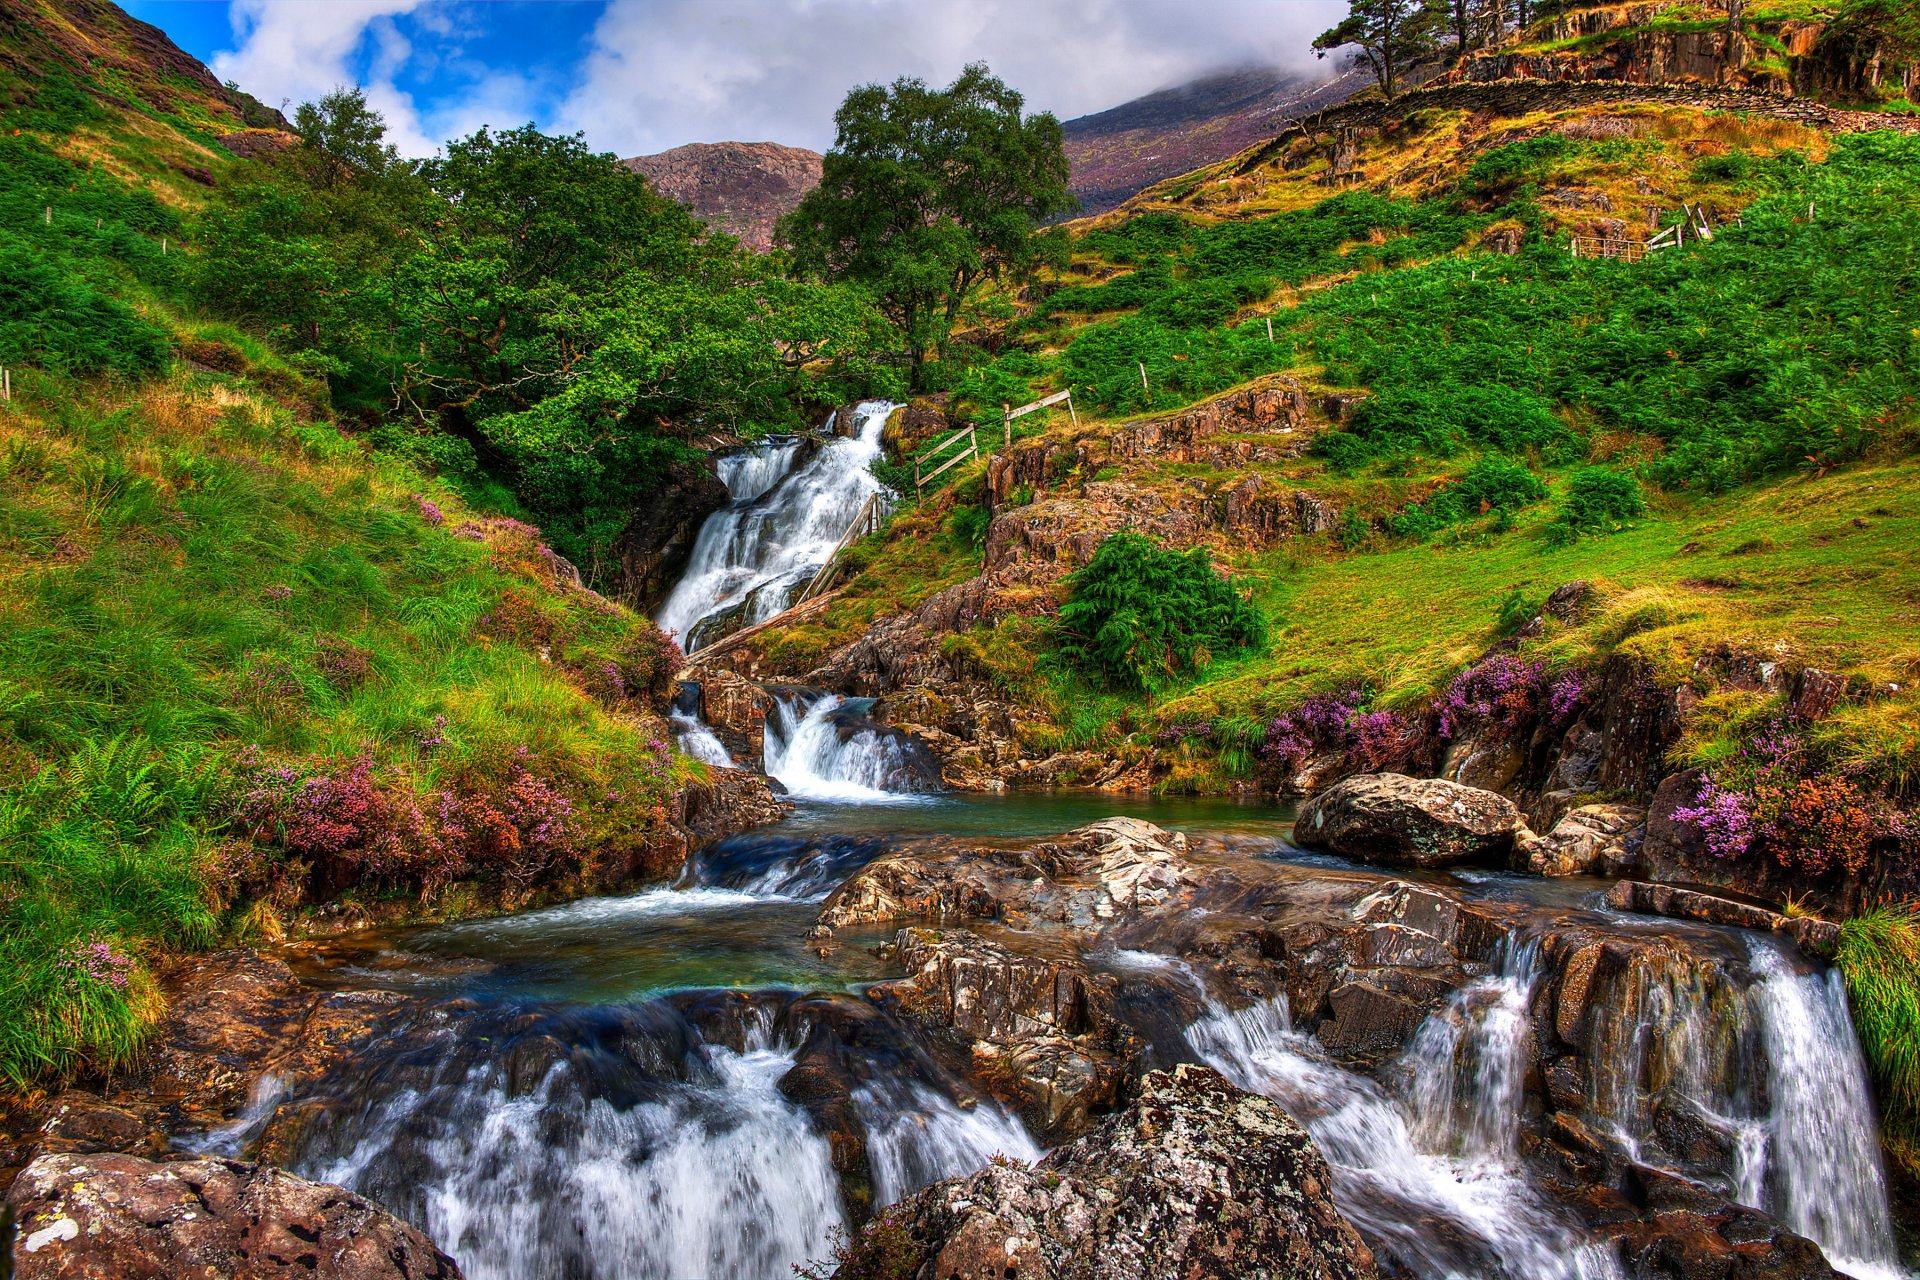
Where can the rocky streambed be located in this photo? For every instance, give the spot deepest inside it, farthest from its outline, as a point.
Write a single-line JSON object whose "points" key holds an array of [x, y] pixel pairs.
{"points": [[1125, 1050]]}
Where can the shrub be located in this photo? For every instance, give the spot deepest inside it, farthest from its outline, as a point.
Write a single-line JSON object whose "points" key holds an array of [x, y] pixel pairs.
{"points": [[1597, 499], [1141, 615]]}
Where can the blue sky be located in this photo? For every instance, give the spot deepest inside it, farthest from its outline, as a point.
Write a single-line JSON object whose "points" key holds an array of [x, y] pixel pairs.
{"points": [[643, 75]]}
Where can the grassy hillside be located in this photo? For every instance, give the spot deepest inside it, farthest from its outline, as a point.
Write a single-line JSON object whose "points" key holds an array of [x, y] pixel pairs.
{"points": [[1752, 402], [249, 668]]}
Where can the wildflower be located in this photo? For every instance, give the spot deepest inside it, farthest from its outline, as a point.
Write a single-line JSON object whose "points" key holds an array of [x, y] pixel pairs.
{"points": [[98, 962], [428, 511]]}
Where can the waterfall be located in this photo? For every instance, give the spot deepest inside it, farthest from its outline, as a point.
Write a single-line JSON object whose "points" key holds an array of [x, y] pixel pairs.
{"points": [[1479, 1041], [1443, 1214], [1823, 1166], [597, 1175], [917, 1136], [822, 750], [1771, 1065], [695, 736], [779, 529]]}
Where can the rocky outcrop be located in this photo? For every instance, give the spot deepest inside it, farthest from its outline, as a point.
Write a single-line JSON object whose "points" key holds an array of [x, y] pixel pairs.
{"points": [[741, 188], [118, 1217], [1816, 937], [1196, 1178], [1113, 868], [1595, 839], [1412, 822], [1042, 1029], [654, 547]]}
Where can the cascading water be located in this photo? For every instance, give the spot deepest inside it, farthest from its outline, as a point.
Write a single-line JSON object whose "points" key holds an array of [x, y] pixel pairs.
{"points": [[637, 1156], [1823, 1169], [779, 529], [1773, 1066], [695, 736], [917, 1136], [1447, 1201], [821, 750]]}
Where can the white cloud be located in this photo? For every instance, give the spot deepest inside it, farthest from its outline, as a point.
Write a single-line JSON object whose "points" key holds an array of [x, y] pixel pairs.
{"points": [[298, 52], [664, 72]]}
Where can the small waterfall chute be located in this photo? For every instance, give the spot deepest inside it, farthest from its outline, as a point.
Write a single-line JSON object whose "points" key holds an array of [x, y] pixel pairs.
{"points": [[917, 1136], [1441, 1215], [694, 735], [1823, 1170], [781, 526], [820, 747]]}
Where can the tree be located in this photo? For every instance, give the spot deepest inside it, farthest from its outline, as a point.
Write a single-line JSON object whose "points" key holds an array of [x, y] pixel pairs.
{"points": [[564, 329], [344, 140], [927, 195], [1390, 35]]}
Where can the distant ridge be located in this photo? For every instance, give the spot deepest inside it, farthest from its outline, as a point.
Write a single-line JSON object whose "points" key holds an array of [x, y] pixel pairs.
{"points": [[742, 188], [1124, 150]]}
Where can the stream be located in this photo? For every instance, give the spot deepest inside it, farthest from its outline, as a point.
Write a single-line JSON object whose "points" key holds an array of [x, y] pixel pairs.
{"points": [[668, 1083]]}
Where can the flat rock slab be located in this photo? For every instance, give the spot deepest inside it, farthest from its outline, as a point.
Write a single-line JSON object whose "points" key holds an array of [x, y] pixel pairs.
{"points": [[116, 1217]]}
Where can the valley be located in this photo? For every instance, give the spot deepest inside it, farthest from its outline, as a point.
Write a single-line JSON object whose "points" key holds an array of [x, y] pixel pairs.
{"points": [[539, 740]]}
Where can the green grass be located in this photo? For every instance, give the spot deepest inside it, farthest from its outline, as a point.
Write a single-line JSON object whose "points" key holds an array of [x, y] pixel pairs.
{"points": [[178, 564], [1880, 955]]}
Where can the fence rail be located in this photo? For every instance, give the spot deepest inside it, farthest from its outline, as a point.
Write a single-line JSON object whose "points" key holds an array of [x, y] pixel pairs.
{"points": [[1608, 247], [969, 440], [866, 521]]}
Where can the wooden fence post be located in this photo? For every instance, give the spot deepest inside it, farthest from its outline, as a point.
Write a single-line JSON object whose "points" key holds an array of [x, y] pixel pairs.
{"points": [[49, 215], [6, 384], [1070, 413], [1006, 420], [1269, 328], [1143, 377]]}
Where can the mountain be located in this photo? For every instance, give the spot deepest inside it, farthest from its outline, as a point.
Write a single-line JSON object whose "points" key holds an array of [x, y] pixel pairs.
{"points": [[1125, 149], [739, 187]]}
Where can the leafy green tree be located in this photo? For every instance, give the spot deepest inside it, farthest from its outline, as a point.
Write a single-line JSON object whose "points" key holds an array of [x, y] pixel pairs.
{"points": [[1390, 36], [929, 194], [569, 328], [344, 141]]}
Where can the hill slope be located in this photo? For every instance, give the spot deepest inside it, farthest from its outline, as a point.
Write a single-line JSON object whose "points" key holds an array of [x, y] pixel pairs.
{"points": [[1125, 149], [741, 188]]}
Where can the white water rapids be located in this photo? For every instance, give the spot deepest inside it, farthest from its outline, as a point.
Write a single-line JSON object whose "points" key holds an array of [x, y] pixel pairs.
{"points": [[1776, 1067], [779, 528], [1441, 1157], [807, 749]]}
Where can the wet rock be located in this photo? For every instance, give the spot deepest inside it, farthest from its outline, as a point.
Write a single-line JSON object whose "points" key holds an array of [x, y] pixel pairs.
{"points": [[654, 547], [1195, 1179], [118, 1217], [236, 1016], [1595, 839], [1101, 873], [82, 1122], [1815, 937], [1402, 821]]}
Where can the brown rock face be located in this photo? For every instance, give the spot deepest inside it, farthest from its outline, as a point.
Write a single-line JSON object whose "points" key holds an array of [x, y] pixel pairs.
{"points": [[1401, 821], [114, 1217], [1197, 1178], [741, 188]]}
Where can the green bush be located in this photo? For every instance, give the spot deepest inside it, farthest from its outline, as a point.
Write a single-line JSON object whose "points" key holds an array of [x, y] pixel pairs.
{"points": [[1597, 499], [1141, 615], [1494, 484]]}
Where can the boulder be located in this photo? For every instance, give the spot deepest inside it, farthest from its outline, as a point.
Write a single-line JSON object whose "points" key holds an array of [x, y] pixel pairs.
{"points": [[1415, 822], [1196, 1178], [1595, 839], [118, 1217]]}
